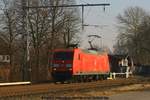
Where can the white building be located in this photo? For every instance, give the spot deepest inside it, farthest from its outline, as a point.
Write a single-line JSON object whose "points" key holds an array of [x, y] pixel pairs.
{"points": [[4, 58]]}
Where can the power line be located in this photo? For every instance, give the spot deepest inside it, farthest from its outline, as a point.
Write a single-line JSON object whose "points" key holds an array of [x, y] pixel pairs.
{"points": [[78, 5], [64, 6], [95, 25], [73, 5]]}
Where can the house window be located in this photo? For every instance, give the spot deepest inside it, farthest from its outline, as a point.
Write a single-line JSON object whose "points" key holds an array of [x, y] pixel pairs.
{"points": [[3, 57], [7, 57]]}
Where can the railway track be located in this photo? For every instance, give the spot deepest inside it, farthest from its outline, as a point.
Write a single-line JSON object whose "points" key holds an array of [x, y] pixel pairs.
{"points": [[55, 89]]}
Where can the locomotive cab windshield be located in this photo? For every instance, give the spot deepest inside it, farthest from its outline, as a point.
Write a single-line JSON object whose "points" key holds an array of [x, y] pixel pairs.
{"points": [[63, 56], [63, 59], [62, 64]]}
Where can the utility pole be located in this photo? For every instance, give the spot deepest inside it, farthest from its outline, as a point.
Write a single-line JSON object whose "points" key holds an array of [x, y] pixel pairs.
{"points": [[23, 4], [27, 46], [25, 35], [82, 17]]}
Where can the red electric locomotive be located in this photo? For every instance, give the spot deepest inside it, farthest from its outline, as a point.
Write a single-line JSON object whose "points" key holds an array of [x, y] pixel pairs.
{"points": [[79, 64]]}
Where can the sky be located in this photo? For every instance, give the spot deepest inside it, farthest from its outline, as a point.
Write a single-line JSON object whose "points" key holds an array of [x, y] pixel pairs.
{"points": [[107, 20]]}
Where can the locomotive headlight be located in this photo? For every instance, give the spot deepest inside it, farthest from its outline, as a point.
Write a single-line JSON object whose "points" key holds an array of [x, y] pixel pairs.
{"points": [[70, 69], [68, 65], [54, 69], [55, 65]]}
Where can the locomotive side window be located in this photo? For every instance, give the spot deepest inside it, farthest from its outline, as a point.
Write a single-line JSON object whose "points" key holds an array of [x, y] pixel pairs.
{"points": [[63, 56]]}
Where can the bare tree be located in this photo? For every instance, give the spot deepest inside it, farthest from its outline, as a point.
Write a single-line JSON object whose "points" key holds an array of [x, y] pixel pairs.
{"points": [[132, 27], [44, 28], [47, 25], [70, 27], [8, 27]]}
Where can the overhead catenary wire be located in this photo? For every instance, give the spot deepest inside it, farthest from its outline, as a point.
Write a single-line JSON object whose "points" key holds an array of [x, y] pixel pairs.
{"points": [[64, 5]]}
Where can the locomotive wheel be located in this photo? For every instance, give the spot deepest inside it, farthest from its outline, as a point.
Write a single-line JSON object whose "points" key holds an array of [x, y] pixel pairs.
{"points": [[62, 82], [80, 78], [55, 82], [74, 79], [97, 77]]}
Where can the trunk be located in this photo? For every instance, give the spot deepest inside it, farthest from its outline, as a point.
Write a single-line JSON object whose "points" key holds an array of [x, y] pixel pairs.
{"points": [[50, 45], [37, 52], [65, 40], [68, 42]]}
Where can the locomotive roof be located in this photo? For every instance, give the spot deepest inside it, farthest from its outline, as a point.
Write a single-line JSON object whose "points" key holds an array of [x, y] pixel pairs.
{"points": [[82, 50], [93, 51], [57, 50]]}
